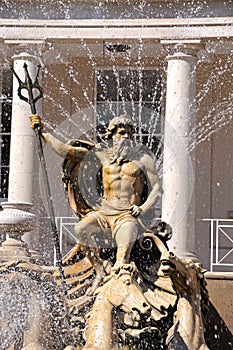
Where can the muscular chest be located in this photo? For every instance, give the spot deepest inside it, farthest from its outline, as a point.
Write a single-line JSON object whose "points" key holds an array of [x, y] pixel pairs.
{"points": [[129, 170]]}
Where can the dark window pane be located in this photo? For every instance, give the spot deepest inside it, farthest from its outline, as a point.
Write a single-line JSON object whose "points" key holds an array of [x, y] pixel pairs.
{"points": [[129, 85], [5, 149], [105, 112], [151, 85], [153, 143], [106, 86], [4, 182], [153, 106], [150, 118], [130, 108], [7, 82], [6, 117]]}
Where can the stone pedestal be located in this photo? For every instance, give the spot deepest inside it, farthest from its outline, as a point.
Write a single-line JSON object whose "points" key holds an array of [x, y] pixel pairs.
{"points": [[179, 163]]}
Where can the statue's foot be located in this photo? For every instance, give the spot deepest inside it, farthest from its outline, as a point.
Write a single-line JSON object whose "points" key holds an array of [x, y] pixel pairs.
{"points": [[120, 269]]}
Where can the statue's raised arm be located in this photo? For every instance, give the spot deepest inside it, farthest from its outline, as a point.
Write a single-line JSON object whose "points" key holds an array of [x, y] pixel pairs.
{"points": [[73, 152], [62, 149]]}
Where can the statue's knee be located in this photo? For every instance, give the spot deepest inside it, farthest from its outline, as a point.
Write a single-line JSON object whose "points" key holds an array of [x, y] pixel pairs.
{"points": [[77, 230], [81, 233], [78, 234]]}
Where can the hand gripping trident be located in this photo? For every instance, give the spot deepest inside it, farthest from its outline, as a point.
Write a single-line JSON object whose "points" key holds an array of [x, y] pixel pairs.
{"points": [[30, 86]]}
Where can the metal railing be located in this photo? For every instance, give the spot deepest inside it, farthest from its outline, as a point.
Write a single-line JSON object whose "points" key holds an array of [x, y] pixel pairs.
{"points": [[221, 244], [221, 239], [65, 227]]}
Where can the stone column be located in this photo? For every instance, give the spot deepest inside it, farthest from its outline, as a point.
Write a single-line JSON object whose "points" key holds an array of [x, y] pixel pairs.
{"points": [[16, 218], [23, 149], [179, 163]]}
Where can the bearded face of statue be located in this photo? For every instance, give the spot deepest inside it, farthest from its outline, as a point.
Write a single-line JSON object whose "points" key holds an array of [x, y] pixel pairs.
{"points": [[122, 143]]}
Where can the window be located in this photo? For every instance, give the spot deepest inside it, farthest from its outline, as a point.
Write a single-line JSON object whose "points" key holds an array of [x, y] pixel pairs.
{"points": [[5, 133], [133, 92]]}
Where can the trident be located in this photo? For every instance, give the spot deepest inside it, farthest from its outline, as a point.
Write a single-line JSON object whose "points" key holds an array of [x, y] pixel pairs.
{"points": [[29, 85]]}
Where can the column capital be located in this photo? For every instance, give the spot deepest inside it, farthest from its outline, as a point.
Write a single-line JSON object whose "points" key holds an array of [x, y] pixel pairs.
{"points": [[25, 56], [186, 49]]}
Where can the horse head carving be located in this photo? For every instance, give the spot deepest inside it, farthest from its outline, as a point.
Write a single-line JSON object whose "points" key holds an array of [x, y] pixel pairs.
{"points": [[187, 333]]}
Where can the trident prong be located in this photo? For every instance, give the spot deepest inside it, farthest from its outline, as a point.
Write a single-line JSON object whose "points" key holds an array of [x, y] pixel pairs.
{"points": [[29, 85]]}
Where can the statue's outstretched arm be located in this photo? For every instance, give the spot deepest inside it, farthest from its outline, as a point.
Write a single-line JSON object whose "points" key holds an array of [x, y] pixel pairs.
{"points": [[62, 149]]}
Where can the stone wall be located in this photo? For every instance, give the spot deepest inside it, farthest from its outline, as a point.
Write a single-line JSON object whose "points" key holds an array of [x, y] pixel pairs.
{"points": [[219, 325]]}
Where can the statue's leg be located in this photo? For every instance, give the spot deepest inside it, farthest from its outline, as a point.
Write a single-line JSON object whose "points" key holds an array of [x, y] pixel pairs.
{"points": [[125, 236], [84, 231]]}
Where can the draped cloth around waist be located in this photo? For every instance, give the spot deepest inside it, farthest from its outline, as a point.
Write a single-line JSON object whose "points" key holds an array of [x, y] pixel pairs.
{"points": [[109, 216]]}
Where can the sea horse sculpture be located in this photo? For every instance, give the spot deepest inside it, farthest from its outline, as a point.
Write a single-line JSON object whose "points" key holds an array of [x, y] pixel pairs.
{"points": [[147, 304], [187, 332]]}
